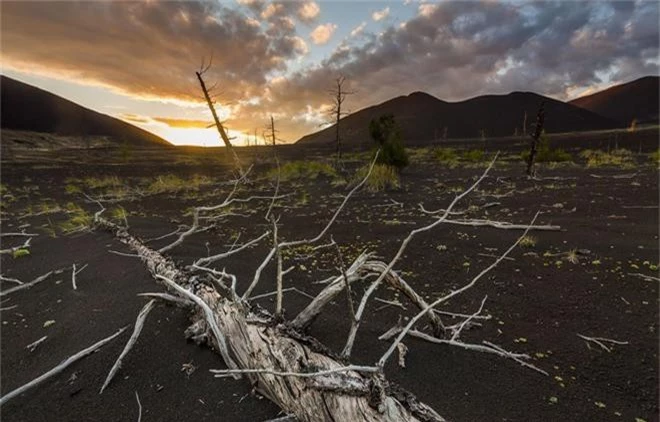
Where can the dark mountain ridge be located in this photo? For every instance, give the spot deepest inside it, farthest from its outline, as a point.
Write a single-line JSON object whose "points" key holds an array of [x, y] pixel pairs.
{"points": [[424, 118], [28, 108]]}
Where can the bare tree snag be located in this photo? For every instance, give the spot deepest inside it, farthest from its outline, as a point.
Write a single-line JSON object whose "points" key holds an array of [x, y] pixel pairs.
{"points": [[339, 96], [218, 124], [536, 136]]}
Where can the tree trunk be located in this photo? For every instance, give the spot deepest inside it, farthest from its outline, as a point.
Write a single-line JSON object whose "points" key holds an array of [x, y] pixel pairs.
{"points": [[218, 124], [256, 341]]}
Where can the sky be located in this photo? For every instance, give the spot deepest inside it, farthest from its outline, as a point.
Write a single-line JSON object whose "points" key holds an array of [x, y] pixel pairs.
{"points": [[136, 60]]}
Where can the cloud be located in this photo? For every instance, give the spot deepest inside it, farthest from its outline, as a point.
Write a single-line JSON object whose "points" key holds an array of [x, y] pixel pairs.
{"points": [[308, 11], [358, 29], [380, 14], [147, 49], [322, 33], [134, 118], [184, 123], [453, 50]]}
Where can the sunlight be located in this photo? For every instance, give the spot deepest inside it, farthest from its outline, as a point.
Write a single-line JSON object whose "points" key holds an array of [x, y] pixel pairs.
{"points": [[206, 137]]}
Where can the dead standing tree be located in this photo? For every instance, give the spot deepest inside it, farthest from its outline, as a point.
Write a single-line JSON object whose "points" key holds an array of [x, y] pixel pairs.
{"points": [[536, 136], [218, 124], [338, 96]]}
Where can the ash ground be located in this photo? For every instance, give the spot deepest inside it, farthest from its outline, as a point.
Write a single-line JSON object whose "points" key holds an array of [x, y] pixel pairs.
{"points": [[539, 300]]}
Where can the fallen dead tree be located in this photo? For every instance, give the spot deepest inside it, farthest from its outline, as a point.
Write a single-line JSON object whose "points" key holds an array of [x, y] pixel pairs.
{"points": [[296, 372]]}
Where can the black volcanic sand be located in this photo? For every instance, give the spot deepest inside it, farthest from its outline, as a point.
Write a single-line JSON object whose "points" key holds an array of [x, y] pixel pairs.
{"points": [[539, 301]]}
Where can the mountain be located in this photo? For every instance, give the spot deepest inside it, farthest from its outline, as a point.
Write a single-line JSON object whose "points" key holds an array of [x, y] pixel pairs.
{"points": [[633, 100], [422, 117], [27, 108]]}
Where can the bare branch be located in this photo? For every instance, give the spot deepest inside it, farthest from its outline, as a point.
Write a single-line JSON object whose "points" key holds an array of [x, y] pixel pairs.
{"points": [[388, 353], [59, 368], [139, 323], [600, 341], [402, 248]]}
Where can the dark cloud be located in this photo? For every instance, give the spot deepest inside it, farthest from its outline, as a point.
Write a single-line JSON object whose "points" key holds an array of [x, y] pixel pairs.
{"points": [[456, 50], [146, 48]]}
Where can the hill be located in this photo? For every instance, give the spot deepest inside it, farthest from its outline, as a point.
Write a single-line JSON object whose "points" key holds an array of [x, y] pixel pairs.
{"points": [[633, 100], [27, 108], [423, 118]]}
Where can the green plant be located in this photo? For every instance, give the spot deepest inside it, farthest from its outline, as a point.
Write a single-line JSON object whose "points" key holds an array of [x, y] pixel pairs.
{"points": [[528, 241], [387, 135], [309, 170], [546, 154], [446, 156], [173, 183], [72, 189], [655, 156], [101, 182], [20, 252], [617, 158], [382, 177], [474, 155], [79, 219]]}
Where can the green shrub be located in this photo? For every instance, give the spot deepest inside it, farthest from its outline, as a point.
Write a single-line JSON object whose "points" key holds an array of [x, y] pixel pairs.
{"points": [[545, 154], [617, 158], [474, 155], [387, 134], [447, 156], [382, 177], [174, 183], [17, 253], [309, 170]]}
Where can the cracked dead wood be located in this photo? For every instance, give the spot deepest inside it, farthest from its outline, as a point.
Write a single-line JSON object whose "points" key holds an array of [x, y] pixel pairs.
{"points": [[255, 341], [59, 368]]}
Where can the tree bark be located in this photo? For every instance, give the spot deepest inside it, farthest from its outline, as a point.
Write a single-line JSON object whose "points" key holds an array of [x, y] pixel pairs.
{"points": [[256, 341]]}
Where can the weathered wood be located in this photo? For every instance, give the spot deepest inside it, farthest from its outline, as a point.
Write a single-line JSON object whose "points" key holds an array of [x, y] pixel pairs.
{"points": [[256, 341], [218, 124], [357, 272]]}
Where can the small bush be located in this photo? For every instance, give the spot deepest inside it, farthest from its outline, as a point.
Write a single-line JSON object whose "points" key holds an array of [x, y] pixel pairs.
{"points": [[447, 156], [20, 252], [617, 158], [528, 241], [387, 134], [382, 177], [474, 155], [545, 154], [173, 183], [102, 182], [309, 170]]}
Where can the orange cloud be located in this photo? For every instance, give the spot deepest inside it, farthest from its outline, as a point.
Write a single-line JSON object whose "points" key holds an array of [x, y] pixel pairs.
{"points": [[184, 123]]}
